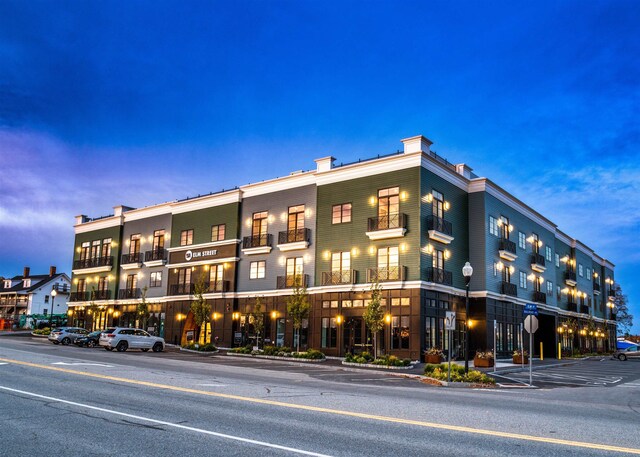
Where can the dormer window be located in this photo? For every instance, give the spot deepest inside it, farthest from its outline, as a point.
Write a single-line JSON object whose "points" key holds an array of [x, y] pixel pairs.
{"points": [[26, 282], [7, 284]]}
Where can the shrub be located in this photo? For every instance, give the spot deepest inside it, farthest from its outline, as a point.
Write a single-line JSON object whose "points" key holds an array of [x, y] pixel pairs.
{"points": [[312, 354], [434, 351], [242, 350], [43, 331], [457, 374], [392, 361], [484, 355], [209, 347], [276, 351]]}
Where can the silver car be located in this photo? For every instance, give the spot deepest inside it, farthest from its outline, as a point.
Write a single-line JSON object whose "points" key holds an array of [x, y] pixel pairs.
{"points": [[121, 339], [628, 353], [66, 335]]}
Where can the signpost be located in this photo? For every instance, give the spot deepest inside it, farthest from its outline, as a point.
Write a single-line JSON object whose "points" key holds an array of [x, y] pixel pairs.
{"points": [[449, 325], [495, 346], [530, 325]]}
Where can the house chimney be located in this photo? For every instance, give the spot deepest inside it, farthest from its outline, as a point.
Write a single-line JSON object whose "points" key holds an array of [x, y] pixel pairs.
{"points": [[324, 164], [464, 170], [26, 272], [52, 271], [416, 144]]}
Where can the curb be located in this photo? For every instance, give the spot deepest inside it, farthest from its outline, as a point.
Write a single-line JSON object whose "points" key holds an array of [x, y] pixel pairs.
{"points": [[274, 357], [39, 336], [201, 353], [371, 365]]}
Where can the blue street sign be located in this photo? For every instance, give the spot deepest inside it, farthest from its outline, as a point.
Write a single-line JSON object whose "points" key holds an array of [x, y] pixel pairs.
{"points": [[530, 309]]}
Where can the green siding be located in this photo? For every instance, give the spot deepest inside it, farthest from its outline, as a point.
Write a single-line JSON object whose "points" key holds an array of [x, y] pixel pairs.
{"points": [[345, 237], [457, 214], [201, 221], [115, 233]]}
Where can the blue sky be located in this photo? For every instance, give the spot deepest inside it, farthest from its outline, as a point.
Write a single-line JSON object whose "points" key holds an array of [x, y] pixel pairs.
{"points": [[97, 98]]}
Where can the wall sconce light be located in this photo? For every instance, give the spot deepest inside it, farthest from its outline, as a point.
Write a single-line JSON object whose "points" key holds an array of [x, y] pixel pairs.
{"points": [[447, 254], [512, 269], [387, 318], [339, 319], [403, 195], [354, 252], [446, 206], [372, 250], [510, 228], [372, 201]]}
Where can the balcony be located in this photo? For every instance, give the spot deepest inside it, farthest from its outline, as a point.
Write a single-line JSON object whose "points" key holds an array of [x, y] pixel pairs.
{"points": [[155, 258], [570, 278], [439, 276], [62, 288], [128, 294], [131, 260], [507, 250], [584, 309], [95, 265], [572, 307], [218, 286], [291, 240], [291, 281], [539, 297], [181, 289], [101, 295], [439, 229], [596, 288], [79, 296], [386, 274], [537, 263], [388, 226], [258, 244], [506, 288], [332, 278]]}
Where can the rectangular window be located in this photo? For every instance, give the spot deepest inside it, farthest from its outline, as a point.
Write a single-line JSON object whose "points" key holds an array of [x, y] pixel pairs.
{"points": [[358, 303], [259, 224], [106, 247], [186, 237], [499, 336], [158, 240], [493, 226], [346, 303], [558, 260], [134, 244], [329, 335], [341, 213], [257, 269], [216, 276], [549, 288], [95, 249], [400, 332], [580, 272], [132, 282], [217, 232], [522, 241], [156, 279], [437, 204], [523, 280], [548, 253], [510, 337], [340, 261], [295, 220], [103, 283], [46, 299], [82, 286], [84, 251], [294, 271], [184, 276], [588, 273]]}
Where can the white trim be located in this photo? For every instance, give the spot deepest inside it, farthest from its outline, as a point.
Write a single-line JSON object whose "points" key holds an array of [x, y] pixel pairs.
{"points": [[507, 255], [293, 246], [131, 266], [441, 237], [92, 226], [206, 201], [566, 239], [386, 234], [211, 244], [538, 268], [84, 271], [258, 250], [306, 178], [161, 209], [440, 170], [203, 262], [155, 263], [368, 168]]}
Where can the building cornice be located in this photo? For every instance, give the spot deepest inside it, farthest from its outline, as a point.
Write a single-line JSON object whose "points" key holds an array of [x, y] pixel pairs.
{"points": [[206, 201], [369, 168], [306, 178], [211, 244], [149, 211], [92, 226]]}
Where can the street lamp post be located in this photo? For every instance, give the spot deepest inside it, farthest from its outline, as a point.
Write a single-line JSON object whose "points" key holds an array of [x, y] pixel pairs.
{"points": [[467, 271], [387, 319], [611, 305], [53, 298]]}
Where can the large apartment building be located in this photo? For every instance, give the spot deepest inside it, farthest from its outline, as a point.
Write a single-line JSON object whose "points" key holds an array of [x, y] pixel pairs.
{"points": [[408, 221]]}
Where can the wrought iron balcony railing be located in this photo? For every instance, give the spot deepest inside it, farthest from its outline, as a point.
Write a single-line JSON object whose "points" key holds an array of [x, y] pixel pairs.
{"points": [[294, 236], [537, 259], [290, 281], [62, 288], [100, 295], [507, 245], [570, 276], [596, 287], [256, 241], [439, 224], [79, 296], [93, 263], [218, 286], [330, 278], [133, 257], [507, 288], [181, 289], [439, 276], [124, 294], [386, 274], [389, 221], [584, 309], [539, 297], [571, 306], [156, 254]]}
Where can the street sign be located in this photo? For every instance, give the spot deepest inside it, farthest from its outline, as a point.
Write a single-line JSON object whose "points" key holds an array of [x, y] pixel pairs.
{"points": [[530, 309], [531, 324], [450, 321]]}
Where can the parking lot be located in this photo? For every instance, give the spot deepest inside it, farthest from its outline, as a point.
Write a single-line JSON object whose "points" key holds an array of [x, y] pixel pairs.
{"points": [[593, 372]]}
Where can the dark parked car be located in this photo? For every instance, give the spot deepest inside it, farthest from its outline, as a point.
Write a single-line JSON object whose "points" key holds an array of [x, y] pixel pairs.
{"points": [[90, 340]]}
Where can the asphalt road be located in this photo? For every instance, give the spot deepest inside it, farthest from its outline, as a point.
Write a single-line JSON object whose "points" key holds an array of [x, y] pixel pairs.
{"points": [[71, 401]]}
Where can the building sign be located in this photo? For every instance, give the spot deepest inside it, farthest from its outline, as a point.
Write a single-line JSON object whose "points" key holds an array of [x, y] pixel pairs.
{"points": [[190, 255]]}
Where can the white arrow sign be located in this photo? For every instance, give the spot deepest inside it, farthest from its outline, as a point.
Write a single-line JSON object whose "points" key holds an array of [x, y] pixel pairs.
{"points": [[450, 321], [83, 363], [531, 324]]}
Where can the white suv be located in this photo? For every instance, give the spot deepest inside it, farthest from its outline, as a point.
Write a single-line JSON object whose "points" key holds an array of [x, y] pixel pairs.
{"points": [[121, 339]]}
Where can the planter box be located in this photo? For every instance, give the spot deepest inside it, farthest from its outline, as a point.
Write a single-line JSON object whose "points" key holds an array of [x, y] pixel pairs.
{"points": [[517, 359], [435, 359], [482, 363]]}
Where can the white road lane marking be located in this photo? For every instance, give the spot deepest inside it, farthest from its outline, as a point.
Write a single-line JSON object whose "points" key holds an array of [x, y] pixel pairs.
{"points": [[168, 424], [83, 363], [4, 363], [212, 385]]}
